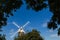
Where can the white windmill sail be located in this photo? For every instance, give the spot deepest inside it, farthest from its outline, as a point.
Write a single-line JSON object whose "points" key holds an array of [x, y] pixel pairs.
{"points": [[16, 24], [19, 28], [15, 33], [25, 24]]}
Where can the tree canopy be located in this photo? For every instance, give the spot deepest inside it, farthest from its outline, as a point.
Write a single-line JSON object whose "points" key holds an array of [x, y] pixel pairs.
{"points": [[36, 4], [6, 7], [2, 37], [54, 6]]}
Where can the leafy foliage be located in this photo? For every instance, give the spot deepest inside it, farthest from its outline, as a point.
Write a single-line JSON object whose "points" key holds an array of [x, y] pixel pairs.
{"points": [[34, 35], [6, 7], [59, 31], [55, 9], [2, 37], [52, 25], [36, 4]]}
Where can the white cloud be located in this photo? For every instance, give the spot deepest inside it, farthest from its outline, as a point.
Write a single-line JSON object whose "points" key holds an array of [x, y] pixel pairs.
{"points": [[45, 23], [54, 36], [51, 31]]}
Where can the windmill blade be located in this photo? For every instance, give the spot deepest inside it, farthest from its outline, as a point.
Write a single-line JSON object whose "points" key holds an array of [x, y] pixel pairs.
{"points": [[15, 33], [16, 24], [24, 32], [26, 24], [11, 31]]}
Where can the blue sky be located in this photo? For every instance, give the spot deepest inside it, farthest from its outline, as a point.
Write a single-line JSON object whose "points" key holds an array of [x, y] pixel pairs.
{"points": [[38, 20]]}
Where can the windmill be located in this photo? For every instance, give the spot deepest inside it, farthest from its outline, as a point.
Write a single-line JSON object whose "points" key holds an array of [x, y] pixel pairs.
{"points": [[20, 30]]}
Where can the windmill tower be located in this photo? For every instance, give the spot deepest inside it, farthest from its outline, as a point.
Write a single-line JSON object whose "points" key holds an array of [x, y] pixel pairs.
{"points": [[20, 31]]}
